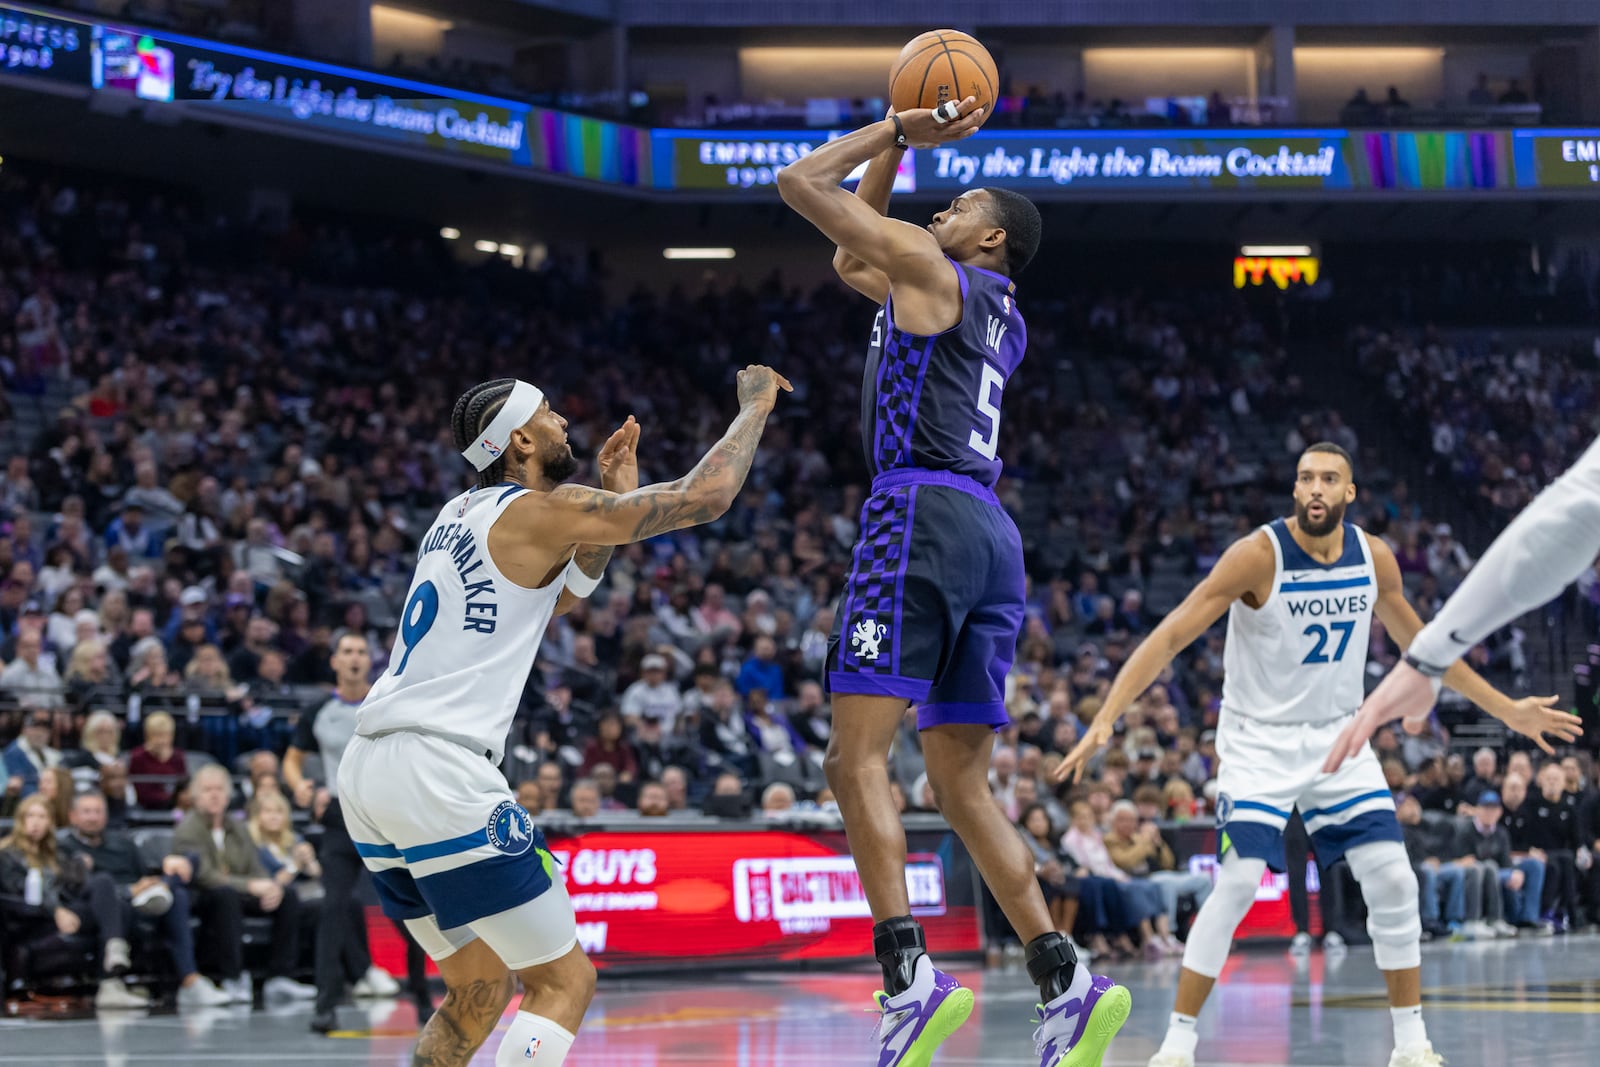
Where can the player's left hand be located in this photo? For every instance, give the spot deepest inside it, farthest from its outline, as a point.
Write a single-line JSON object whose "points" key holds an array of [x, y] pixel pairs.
{"points": [[1536, 716], [1093, 740], [923, 131], [619, 459], [1407, 693]]}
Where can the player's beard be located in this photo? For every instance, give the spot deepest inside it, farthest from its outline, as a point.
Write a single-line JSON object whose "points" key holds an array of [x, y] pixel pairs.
{"points": [[559, 464], [1332, 516]]}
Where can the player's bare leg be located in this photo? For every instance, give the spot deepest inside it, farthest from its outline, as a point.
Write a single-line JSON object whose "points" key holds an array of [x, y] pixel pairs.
{"points": [[1079, 1013], [478, 986], [921, 1006]]}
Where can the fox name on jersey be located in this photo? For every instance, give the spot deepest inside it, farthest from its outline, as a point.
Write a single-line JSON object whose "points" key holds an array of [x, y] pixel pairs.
{"points": [[478, 587]]}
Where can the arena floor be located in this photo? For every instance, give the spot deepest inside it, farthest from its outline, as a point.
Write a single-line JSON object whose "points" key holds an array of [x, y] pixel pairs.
{"points": [[1501, 1003]]}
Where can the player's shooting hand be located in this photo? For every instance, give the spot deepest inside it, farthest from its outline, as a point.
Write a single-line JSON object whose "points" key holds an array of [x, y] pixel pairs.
{"points": [[759, 385], [1407, 693], [1092, 742], [619, 459], [922, 131], [1536, 716]]}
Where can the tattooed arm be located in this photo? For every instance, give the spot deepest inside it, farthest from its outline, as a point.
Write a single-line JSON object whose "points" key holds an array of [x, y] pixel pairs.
{"points": [[619, 473], [576, 514]]}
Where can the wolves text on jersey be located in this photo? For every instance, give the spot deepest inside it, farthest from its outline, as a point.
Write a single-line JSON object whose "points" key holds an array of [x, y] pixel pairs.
{"points": [[463, 548]]}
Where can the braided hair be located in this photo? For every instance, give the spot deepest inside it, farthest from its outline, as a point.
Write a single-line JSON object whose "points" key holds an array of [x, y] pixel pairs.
{"points": [[474, 411]]}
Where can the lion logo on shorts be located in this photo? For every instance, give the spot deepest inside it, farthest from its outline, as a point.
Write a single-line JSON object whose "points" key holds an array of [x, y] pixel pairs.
{"points": [[510, 828], [866, 638]]}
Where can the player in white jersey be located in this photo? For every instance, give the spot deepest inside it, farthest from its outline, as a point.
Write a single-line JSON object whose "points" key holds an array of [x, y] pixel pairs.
{"points": [[1300, 594], [452, 853]]}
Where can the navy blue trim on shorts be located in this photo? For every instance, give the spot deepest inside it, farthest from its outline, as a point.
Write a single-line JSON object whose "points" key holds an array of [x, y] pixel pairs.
{"points": [[398, 894], [1332, 842], [1343, 805], [485, 888], [1254, 841]]}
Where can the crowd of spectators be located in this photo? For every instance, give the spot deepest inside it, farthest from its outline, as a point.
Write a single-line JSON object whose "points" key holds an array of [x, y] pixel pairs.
{"points": [[222, 456]]}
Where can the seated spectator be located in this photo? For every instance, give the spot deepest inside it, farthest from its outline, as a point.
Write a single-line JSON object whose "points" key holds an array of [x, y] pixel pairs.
{"points": [[161, 893], [1552, 830], [1139, 849], [55, 788], [606, 780], [653, 692], [723, 736], [761, 670], [1523, 895], [102, 744], [231, 883], [1178, 800], [1426, 846], [1481, 838], [1062, 891], [727, 799], [157, 766], [585, 799], [609, 747], [1485, 777], [653, 800], [148, 668], [287, 857], [552, 781], [65, 897], [777, 800], [530, 796], [675, 780], [263, 774], [31, 678], [1140, 896], [91, 676], [30, 755], [770, 727]]}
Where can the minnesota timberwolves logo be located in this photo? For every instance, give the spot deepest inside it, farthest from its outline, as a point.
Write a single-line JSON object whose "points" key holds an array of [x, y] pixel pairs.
{"points": [[1224, 809], [510, 829]]}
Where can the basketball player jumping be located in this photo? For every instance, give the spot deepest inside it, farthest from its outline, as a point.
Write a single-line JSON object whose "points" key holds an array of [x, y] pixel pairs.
{"points": [[1301, 594], [934, 601], [452, 853], [1553, 541]]}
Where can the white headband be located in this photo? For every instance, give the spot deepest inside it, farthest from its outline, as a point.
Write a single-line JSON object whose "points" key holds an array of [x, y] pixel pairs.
{"points": [[519, 407]]}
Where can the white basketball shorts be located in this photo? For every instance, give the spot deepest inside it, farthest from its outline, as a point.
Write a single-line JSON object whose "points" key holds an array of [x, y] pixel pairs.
{"points": [[452, 853], [1268, 770]]}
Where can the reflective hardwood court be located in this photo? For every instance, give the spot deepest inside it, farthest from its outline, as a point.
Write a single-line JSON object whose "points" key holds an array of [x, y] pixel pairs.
{"points": [[1528, 1002]]}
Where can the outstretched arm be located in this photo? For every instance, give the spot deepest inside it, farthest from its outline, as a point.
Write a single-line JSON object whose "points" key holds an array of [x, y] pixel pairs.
{"points": [[1246, 567], [576, 514], [619, 473], [874, 190]]}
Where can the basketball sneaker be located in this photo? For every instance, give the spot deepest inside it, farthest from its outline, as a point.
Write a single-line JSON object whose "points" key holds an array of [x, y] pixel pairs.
{"points": [[1416, 1056], [1076, 1032], [916, 1022]]}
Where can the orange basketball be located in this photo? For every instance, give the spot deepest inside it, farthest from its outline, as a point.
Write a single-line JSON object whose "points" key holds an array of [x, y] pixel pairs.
{"points": [[943, 65]]}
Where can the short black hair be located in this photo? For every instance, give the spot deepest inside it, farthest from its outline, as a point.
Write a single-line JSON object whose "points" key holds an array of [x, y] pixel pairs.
{"points": [[1015, 214], [1331, 449], [474, 410]]}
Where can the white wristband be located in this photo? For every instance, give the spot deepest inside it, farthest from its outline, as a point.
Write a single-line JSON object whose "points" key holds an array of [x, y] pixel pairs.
{"points": [[578, 583]]}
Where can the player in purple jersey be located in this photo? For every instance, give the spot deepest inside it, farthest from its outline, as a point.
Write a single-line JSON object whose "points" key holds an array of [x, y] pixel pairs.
{"points": [[934, 602]]}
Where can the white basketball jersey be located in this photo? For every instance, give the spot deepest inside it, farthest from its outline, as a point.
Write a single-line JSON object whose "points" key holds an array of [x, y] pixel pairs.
{"points": [[468, 634], [1301, 657]]}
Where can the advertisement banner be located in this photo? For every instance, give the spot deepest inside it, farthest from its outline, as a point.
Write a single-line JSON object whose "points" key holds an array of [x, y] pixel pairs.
{"points": [[37, 46], [757, 895], [732, 161], [1555, 159]]}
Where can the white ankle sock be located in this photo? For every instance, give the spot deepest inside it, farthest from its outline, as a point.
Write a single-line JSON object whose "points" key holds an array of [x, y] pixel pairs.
{"points": [[1182, 1037], [1409, 1028], [534, 1041]]}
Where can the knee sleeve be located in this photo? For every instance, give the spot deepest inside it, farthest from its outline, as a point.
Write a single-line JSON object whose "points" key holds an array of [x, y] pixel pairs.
{"points": [[1212, 933], [1390, 888]]}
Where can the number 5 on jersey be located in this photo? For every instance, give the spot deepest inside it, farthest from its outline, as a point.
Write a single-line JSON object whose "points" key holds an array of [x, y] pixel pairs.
{"points": [[989, 392]]}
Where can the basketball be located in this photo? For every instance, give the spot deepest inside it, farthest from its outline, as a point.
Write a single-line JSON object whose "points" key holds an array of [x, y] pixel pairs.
{"points": [[943, 65]]}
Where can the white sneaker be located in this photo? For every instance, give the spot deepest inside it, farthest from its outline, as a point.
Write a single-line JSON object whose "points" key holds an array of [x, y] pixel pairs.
{"points": [[114, 996], [239, 989], [1173, 1059], [1416, 1056], [202, 993], [282, 988], [1301, 945], [119, 960], [1502, 928], [377, 982], [1478, 930], [1333, 942]]}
